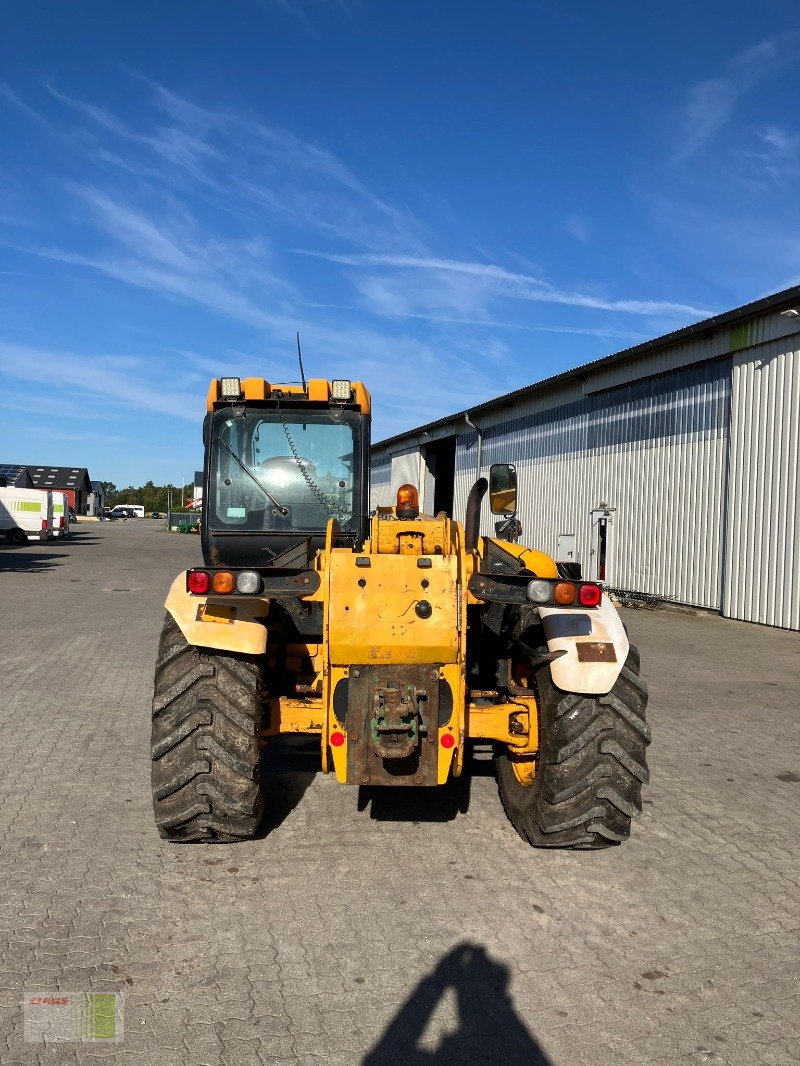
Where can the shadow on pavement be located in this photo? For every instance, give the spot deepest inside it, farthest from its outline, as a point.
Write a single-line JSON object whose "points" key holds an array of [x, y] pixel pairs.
{"points": [[488, 1027], [288, 773], [443, 803], [37, 556], [27, 559]]}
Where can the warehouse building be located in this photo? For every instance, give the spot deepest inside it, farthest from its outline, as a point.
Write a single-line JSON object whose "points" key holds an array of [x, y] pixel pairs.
{"points": [[669, 470]]}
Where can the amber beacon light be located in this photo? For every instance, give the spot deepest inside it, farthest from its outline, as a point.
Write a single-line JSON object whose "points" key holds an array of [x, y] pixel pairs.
{"points": [[407, 502]]}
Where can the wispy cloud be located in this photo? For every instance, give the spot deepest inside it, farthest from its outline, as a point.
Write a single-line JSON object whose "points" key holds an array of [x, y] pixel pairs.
{"points": [[578, 228], [775, 155], [709, 105], [171, 256], [10, 97], [67, 405], [516, 286], [245, 162], [244, 165], [200, 205], [125, 380]]}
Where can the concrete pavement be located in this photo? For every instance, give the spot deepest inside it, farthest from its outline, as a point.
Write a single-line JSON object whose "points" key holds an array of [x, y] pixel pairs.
{"points": [[396, 927]]}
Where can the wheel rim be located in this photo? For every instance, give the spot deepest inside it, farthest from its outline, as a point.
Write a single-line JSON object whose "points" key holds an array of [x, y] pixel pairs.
{"points": [[524, 767]]}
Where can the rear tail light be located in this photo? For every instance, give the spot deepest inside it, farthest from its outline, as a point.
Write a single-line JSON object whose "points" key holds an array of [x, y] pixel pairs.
{"points": [[248, 582], [223, 582], [546, 592], [61, 522], [198, 582], [540, 591], [589, 595], [564, 593], [44, 525]]}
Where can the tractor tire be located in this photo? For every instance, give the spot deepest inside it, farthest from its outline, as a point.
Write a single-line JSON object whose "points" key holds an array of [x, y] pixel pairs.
{"points": [[591, 767], [206, 750]]}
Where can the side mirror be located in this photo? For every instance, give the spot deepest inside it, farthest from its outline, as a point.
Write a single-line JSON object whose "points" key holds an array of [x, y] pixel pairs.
{"points": [[503, 488]]}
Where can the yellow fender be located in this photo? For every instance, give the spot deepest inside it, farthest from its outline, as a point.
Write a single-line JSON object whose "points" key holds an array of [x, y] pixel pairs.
{"points": [[537, 562]]}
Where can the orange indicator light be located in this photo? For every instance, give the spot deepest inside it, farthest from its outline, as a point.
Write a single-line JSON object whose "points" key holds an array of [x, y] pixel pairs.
{"points": [[564, 593], [223, 582]]}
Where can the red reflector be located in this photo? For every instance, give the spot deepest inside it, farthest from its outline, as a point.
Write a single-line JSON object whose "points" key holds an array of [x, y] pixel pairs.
{"points": [[337, 739], [589, 595], [198, 582], [448, 740]]}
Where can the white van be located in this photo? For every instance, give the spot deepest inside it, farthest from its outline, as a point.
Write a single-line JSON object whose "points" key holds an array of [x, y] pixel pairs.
{"points": [[26, 514], [60, 514]]}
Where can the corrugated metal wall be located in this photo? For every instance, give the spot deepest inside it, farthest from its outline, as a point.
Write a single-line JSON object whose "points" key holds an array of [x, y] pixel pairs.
{"points": [[407, 469], [381, 479], [762, 571], [700, 462], [654, 450]]}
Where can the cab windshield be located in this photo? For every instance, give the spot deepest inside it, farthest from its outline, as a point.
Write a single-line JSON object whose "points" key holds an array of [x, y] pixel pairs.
{"points": [[291, 474]]}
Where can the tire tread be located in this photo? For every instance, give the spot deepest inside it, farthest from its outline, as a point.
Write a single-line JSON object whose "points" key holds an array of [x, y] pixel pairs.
{"points": [[205, 743], [592, 765]]}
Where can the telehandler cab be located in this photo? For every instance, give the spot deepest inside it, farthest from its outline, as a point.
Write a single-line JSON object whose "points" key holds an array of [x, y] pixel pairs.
{"points": [[397, 638]]}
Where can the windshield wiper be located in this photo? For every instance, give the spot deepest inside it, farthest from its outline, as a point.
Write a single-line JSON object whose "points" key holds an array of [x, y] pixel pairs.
{"points": [[282, 510]]}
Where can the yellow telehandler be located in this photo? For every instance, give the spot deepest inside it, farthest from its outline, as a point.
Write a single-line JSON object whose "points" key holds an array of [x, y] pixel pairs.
{"points": [[398, 639]]}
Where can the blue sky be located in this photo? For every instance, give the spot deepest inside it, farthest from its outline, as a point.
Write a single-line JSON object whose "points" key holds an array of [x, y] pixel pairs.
{"points": [[448, 200]]}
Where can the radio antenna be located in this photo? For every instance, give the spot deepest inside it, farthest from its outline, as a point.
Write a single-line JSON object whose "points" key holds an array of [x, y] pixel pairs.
{"points": [[300, 357]]}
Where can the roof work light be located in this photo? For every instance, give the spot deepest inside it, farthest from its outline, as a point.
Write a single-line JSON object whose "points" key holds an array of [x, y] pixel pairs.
{"points": [[230, 388]]}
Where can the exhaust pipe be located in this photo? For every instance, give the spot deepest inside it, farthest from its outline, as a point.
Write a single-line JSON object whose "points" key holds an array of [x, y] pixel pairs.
{"points": [[473, 520]]}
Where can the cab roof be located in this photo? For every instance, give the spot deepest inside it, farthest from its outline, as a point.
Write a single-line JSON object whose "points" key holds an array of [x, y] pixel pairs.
{"points": [[317, 390]]}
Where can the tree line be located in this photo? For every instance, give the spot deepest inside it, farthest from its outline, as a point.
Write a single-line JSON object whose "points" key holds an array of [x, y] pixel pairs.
{"points": [[152, 497]]}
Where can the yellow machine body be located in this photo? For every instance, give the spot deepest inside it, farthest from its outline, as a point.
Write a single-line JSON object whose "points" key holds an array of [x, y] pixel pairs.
{"points": [[392, 654], [395, 643]]}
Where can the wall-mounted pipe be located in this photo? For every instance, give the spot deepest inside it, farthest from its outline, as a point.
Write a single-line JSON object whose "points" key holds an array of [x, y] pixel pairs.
{"points": [[479, 432]]}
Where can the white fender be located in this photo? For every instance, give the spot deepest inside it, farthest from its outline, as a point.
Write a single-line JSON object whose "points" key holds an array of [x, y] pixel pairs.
{"points": [[595, 643], [233, 628]]}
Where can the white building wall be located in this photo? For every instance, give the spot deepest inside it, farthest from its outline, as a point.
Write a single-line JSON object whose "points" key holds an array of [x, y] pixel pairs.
{"points": [[762, 572], [701, 463], [654, 450]]}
